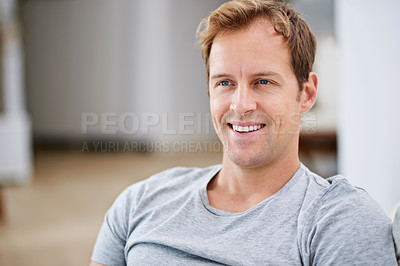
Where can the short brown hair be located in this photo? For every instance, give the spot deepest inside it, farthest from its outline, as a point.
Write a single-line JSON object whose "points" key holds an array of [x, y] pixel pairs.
{"points": [[237, 14]]}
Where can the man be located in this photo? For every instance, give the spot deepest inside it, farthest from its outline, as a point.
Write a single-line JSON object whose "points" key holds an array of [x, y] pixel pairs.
{"points": [[262, 206]]}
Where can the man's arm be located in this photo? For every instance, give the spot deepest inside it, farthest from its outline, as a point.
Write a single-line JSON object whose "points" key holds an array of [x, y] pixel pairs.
{"points": [[110, 243], [350, 230]]}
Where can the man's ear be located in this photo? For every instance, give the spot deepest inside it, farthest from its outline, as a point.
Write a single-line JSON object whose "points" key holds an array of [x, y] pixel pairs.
{"points": [[309, 93]]}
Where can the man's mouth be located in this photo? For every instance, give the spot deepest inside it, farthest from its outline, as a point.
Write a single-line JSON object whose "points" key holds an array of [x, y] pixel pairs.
{"points": [[246, 129]]}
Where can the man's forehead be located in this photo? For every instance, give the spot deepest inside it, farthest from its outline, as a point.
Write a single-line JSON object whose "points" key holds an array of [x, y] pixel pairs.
{"points": [[259, 26], [255, 44], [258, 36]]}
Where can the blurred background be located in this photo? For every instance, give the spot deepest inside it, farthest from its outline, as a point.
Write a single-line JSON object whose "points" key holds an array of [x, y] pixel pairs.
{"points": [[98, 94]]}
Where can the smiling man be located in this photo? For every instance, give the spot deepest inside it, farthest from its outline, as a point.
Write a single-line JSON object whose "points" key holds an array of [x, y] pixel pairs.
{"points": [[261, 206], [256, 104]]}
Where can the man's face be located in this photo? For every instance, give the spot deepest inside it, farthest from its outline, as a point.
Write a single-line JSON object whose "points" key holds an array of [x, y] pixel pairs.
{"points": [[254, 96]]}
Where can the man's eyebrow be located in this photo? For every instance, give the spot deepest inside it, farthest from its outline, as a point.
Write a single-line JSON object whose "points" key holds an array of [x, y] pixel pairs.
{"points": [[259, 74], [222, 75], [268, 74]]}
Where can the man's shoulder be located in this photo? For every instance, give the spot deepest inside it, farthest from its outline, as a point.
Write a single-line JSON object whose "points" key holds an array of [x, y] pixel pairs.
{"points": [[342, 195], [342, 221], [336, 199], [337, 193], [169, 180], [187, 172], [181, 175]]}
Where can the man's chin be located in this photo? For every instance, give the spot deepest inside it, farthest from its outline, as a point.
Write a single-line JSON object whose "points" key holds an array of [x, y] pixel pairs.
{"points": [[246, 160]]}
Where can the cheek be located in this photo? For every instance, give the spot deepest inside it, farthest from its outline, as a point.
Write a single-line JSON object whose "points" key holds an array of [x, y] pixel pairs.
{"points": [[283, 113], [215, 115], [275, 107], [218, 108], [283, 105]]}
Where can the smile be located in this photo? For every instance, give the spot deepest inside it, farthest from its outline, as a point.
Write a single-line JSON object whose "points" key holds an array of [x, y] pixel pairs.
{"points": [[246, 129]]}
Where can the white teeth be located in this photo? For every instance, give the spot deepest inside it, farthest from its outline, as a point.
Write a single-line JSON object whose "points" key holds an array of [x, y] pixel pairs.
{"points": [[245, 129]]}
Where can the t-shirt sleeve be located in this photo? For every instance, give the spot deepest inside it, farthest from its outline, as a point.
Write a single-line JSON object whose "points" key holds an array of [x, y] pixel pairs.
{"points": [[349, 230], [396, 233], [109, 248]]}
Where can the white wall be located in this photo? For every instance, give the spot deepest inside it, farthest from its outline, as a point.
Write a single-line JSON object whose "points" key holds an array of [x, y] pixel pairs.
{"points": [[15, 127], [72, 62], [117, 56], [369, 91]]}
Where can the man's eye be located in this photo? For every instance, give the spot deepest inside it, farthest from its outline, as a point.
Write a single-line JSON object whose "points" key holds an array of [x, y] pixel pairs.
{"points": [[264, 81], [224, 83]]}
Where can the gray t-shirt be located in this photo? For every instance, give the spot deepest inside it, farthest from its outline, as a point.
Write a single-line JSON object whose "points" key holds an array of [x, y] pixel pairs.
{"points": [[167, 220]]}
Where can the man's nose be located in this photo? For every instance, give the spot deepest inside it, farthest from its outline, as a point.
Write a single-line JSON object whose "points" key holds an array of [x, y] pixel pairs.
{"points": [[243, 100]]}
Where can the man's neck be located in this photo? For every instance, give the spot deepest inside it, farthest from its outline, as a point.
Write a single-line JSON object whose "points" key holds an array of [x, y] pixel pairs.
{"points": [[237, 188]]}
